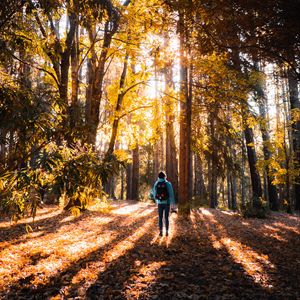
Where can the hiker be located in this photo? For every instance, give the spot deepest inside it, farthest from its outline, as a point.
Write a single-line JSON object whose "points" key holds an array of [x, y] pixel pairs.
{"points": [[162, 193]]}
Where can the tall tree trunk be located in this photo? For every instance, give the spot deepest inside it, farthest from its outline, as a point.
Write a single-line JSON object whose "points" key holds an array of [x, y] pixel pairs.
{"points": [[228, 180], [74, 111], [233, 191], [243, 177], [122, 184], [65, 61], [295, 108], [199, 187], [171, 151], [250, 146], [252, 160], [135, 172], [96, 81], [271, 188], [129, 181], [213, 174], [118, 108], [185, 125]]}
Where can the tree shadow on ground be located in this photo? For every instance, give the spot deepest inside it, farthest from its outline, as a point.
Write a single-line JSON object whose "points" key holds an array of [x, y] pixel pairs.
{"points": [[190, 264], [189, 267], [279, 252], [14, 234], [55, 285]]}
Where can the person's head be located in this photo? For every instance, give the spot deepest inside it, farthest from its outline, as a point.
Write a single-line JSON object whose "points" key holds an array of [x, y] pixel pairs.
{"points": [[162, 175]]}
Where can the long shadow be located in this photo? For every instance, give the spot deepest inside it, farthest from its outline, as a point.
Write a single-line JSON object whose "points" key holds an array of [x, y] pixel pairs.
{"points": [[55, 283], [16, 230], [56, 222], [284, 255], [191, 268], [203, 271]]}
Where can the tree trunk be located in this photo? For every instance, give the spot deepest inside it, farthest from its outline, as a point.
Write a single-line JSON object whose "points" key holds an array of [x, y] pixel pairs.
{"points": [[171, 151], [271, 188], [213, 198], [135, 172], [129, 181], [229, 198], [199, 188], [96, 81], [295, 108], [118, 108], [65, 57], [233, 192], [74, 111], [243, 177], [255, 179], [185, 126], [251, 153], [122, 184]]}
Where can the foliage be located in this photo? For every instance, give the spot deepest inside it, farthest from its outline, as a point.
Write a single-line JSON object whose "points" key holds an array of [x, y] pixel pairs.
{"points": [[75, 174], [259, 211]]}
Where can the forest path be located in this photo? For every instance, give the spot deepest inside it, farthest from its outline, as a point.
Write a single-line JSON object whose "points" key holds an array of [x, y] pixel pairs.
{"points": [[119, 255]]}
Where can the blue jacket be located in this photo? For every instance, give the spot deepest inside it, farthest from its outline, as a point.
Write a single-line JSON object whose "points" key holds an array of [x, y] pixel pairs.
{"points": [[171, 199]]}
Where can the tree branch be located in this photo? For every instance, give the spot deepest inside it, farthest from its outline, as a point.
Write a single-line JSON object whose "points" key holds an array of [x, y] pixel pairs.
{"points": [[131, 87], [132, 110]]}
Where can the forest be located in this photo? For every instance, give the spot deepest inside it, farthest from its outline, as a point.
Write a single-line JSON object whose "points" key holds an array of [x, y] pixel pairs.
{"points": [[98, 96]]}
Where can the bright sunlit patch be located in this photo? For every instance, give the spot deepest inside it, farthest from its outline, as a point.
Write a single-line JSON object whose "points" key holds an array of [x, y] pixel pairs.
{"points": [[122, 247], [254, 263], [205, 212], [286, 227], [229, 213], [92, 271], [50, 212], [126, 210], [48, 254]]}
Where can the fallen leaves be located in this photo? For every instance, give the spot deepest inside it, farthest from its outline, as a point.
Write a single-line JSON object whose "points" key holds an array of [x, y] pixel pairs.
{"points": [[119, 255]]}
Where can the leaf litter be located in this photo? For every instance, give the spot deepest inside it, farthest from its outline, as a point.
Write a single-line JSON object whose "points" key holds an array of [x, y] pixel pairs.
{"points": [[120, 255]]}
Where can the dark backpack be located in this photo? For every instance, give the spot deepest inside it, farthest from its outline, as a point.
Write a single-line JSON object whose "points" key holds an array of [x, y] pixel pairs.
{"points": [[162, 191]]}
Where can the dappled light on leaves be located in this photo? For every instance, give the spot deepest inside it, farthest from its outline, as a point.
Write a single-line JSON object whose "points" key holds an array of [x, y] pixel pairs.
{"points": [[252, 262], [80, 256], [122, 247]]}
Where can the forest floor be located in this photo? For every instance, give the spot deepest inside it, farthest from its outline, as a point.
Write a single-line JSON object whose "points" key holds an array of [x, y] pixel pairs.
{"points": [[119, 255]]}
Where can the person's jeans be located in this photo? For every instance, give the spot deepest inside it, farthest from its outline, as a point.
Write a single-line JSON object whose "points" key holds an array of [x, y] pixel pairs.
{"points": [[163, 209]]}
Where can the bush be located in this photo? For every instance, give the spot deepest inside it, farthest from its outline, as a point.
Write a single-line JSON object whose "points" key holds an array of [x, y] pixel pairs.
{"points": [[256, 208], [76, 174]]}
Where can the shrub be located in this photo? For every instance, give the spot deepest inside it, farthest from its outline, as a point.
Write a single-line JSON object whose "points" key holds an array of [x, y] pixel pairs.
{"points": [[256, 208]]}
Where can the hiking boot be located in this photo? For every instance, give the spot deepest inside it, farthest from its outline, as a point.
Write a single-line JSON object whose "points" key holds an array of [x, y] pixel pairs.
{"points": [[167, 233], [160, 233]]}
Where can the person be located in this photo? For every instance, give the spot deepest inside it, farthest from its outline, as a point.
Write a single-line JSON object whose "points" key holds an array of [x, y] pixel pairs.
{"points": [[163, 194]]}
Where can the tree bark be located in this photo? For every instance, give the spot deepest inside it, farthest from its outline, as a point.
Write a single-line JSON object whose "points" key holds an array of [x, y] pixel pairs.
{"points": [[74, 111], [135, 172], [185, 125], [271, 188], [129, 181], [199, 188], [171, 151], [295, 107], [252, 160], [213, 173], [118, 108], [250, 146]]}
